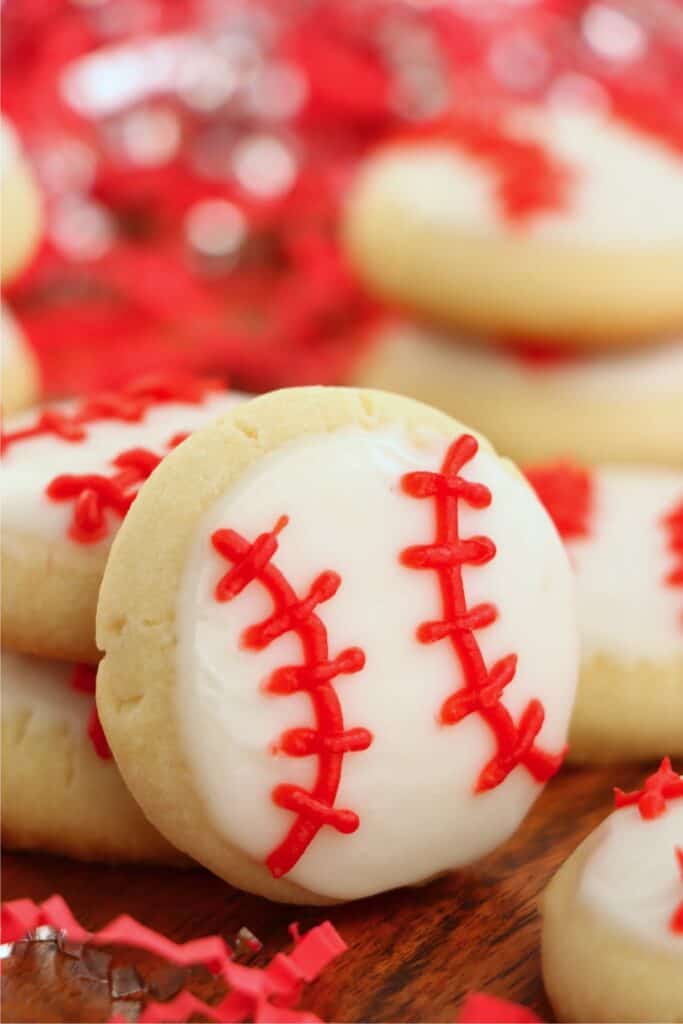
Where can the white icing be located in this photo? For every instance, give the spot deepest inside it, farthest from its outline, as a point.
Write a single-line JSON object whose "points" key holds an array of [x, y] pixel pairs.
{"points": [[29, 466], [43, 688], [627, 187], [651, 370], [413, 787], [625, 608], [632, 876]]}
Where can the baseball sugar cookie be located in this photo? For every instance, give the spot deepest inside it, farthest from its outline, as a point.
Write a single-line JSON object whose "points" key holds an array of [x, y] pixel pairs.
{"points": [[562, 224], [353, 636], [19, 202], [20, 376], [623, 528], [61, 791], [539, 403], [70, 473], [612, 940]]}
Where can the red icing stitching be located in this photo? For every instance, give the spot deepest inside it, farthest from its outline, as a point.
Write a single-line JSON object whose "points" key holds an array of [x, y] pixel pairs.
{"points": [[676, 922], [84, 679], [93, 494], [673, 523], [567, 493], [651, 800], [484, 686], [130, 405], [329, 741]]}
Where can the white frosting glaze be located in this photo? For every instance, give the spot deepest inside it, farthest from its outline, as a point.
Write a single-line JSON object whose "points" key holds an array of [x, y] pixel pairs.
{"points": [[43, 688], [29, 466], [625, 608], [638, 373], [632, 878], [613, 164], [413, 787]]}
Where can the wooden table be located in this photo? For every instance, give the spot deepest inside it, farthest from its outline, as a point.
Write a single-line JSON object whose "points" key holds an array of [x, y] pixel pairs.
{"points": [[413, 953]]}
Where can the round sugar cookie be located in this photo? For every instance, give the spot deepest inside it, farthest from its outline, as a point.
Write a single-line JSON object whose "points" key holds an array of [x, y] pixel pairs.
{"points": [[564, 224], [61, 790], [354, 639], [20, 375], [623, 529], [612, 938], [532, 405], [70, 473], [20, 204]]}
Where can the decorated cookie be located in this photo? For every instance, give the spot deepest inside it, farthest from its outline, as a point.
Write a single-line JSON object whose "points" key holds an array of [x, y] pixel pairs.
{"points": [[353, 637], [562, 224], [623, 528], [61, 790], [539, 403], [20, 376], [70, 473], [612, 942], [19, 202]]}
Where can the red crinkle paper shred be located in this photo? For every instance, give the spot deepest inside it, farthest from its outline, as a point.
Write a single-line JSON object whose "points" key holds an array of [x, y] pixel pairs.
{"points": [[567, 493], [255, 993], [673, 524], [484, 685], [658, 789], [676, 922], [330, 740], [479, 1008], [84, 679]]}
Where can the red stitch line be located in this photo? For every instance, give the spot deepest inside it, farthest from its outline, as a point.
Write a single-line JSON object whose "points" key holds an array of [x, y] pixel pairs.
{"points": [[676, 922], [329, 741], [483, 687], [84, 679], [651, 800], [131, 405], [566, 491], [673, 523]]}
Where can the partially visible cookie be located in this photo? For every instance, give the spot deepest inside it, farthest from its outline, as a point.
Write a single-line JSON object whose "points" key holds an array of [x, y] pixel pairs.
{"points": [[623, 529], [561, 224], [70, 473], [612, 939], [61, 790], [533, 404], [20, 204], [20, 375], [353, 639]]}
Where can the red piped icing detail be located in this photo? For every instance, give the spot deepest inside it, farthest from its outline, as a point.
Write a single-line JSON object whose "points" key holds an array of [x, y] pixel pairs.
{"points": [[84, 679], [129, 405], [673, 524], [676, 922], [329, 741], [94, 494], [483, 689], [651, 800], [567, 493], [529, 179]]}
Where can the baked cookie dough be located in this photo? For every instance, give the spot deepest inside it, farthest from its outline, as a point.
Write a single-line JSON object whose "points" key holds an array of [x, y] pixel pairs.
{"points": [[20, 375], [20, 204], [605, 407], [354, 639], [61, 790], [559, 224], [70, 473], [623, 529], [612, 939]]}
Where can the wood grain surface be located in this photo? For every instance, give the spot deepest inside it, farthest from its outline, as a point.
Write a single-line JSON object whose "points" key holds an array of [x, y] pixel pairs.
{"points": [[413, 954]]}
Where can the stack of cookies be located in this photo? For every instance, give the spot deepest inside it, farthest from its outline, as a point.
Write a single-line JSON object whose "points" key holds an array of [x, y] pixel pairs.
{"points": [[547, 245], [70, 473]]}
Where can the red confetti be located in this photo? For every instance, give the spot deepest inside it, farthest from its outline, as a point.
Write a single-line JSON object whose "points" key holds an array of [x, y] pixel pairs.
{"points": [[567, 493], [673, 524], [676, 923], [483, 689], [652, 799], [479, 1008], [84, 679]]}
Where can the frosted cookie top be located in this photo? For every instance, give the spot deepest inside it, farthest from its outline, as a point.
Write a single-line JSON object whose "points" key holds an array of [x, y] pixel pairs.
{"points": [[558, 175], [376, 656], [71, 471], [623, 528], [633, 876]]}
